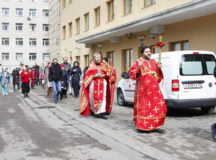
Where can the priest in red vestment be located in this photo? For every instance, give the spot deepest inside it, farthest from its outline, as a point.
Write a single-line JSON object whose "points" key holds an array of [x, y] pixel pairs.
{"points": [[95, 89], [149, 104]]}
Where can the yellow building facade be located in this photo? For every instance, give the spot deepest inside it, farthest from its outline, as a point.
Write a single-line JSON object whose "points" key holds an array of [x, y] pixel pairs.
{"points": [[117, 28]]}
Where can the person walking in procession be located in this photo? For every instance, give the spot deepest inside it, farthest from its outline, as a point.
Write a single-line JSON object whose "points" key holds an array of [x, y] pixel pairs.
{"points": [[55, 74], [33, 74], [149, 104], [5, 80], [16, 78], [111, 79], [76, 73], [25, 78], [94, 89], [48, 85], [64, 82], [68, 68]]}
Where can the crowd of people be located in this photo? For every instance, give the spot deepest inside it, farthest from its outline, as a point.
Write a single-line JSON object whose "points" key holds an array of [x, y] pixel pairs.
{"points": [[58, 80]]}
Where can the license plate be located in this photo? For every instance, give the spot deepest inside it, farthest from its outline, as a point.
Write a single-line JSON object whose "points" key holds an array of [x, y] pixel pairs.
{"points": [[192, 86]]}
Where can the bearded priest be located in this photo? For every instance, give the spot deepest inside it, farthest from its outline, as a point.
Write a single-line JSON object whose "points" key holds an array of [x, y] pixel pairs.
{"points": [[149, 104], [95, 89]]}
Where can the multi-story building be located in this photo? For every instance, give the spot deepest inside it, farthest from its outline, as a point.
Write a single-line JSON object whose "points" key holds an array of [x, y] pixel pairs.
{"points": [[118, 28], [24, 32], [54, 32]]}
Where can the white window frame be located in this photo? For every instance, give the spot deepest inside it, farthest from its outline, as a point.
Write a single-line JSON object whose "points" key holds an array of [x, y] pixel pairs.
{"points": [[19, 56], [45, 12], [46, 57], [19, 26], [32, 27], [5, 41], [5, 56], [45, 42], [46, 27], [32, 12], [32, 42], [19, 12], [32, 56], [5, 11], [5, 26], [19, 41]]}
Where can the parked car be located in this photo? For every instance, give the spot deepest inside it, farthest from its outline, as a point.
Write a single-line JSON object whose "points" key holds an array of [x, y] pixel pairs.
{"points": [[188, 80]]}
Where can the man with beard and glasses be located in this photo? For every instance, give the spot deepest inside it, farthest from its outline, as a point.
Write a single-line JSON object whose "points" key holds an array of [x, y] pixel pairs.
{"points": [[149, 104], [94, 89]]}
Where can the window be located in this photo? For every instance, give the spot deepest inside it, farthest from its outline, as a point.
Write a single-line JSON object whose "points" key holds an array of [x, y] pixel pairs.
{"points": [[148, 3], [19, 56], [19, 26], [5, 56], [45, 42], [46, 57], [34, 0], [110, 55], [86, 21], [78, 26], [32, 12], [78, 58], [64, 32], [110, 7], [97, 16], [19, 41], [32, 41], [178, 46], [45, 1], [155, 49], [86, 57], [63, 3], [5, 11], [19, 12], [5, 41], [45, 13], [46, 27], [127, 59], [70, 29], [32, 56], [128, 6], [5, 26], [32, 27]]}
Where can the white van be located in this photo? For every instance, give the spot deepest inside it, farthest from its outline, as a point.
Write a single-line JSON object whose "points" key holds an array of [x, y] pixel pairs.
{"points": [[188, 80]]}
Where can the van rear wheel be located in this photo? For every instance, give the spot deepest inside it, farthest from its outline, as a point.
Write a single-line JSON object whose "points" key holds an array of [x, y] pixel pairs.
{"points": [[208, 110], [120, 98]]}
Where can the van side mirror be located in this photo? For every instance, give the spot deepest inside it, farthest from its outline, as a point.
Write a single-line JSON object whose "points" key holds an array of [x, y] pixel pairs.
{"points": [[125, 75]]}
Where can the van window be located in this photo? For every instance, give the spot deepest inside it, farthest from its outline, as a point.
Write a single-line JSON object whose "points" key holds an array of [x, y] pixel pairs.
{"points": [[191, 65], [197, 64], [210, 63]]}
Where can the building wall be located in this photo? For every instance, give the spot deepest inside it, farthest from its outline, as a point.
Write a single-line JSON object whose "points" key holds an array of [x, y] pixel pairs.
{"points": [[77, 9], [54, 32], [12, 34], [200, 32]]}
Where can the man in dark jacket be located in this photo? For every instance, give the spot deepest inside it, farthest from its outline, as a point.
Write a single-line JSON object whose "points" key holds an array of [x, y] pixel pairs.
{"points": [[55, 74], [76, 73], [64, 82]]}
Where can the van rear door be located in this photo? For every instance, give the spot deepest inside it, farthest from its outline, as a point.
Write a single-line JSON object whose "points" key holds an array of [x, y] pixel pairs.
{"points": [[196, 76]]}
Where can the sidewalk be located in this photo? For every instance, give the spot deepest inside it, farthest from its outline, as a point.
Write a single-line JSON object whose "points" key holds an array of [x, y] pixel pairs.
{"points": [[185, 137]]}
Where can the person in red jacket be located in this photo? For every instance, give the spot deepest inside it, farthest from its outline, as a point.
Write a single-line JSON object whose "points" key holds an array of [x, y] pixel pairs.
{"points": [[33, 76], [25, 81]]}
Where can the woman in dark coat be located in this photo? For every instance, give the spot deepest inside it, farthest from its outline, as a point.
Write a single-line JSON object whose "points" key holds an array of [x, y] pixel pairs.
{"points": [[76, 74], [16, 78], [64, 82]]}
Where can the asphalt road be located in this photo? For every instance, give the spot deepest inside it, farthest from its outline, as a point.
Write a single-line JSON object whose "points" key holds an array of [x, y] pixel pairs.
{"points": [[35, 128]]}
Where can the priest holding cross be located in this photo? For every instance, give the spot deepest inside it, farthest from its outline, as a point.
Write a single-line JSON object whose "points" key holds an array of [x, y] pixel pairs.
{"points": [[149, 104]]}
